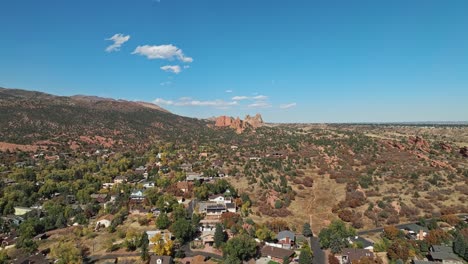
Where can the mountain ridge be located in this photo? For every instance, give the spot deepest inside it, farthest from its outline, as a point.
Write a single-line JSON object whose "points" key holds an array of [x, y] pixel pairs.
{"points": [[28, 117]]}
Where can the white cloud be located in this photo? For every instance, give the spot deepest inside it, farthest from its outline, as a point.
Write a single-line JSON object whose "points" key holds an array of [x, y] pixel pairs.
{"points": [[119, 40], [163, 52], [240, 98], [260, 97], [287, 106], [187, 101], [259, 104], [256, 97], [171, 68]]}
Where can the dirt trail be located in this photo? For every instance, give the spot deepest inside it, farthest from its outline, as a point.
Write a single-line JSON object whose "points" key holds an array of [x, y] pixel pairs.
{"points": [[326, 193]]}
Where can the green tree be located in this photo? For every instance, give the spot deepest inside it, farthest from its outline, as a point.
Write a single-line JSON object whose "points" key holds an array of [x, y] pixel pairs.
{"points": [[305, 257], [144, 246], [219, 236], [241, 247], [66, 253], [232, 260], [306, 230], [163, 222], [182, 229], [460, 245], [264, 234], [335, 236]]}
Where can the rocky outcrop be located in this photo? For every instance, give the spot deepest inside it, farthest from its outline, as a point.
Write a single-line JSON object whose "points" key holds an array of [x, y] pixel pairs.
{"points": [[446, 147], [223, 121], [238, 124], [255, 122], [419, 143]]}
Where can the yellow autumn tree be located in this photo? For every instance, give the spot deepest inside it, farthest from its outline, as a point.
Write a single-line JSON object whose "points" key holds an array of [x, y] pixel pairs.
{"points": [[162, 246], [66, 252]]}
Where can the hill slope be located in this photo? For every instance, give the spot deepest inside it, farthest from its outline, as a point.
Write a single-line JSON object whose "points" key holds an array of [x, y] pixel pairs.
{"points": [[28, 117]]}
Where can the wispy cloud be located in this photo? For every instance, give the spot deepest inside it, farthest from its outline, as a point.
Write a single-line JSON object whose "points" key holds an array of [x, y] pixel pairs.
{"points": [[119, 40], [287, 106], [240, 98], [171, 68], [187, 101], [256, 97], [228, 91], [260, 104], [163, 52]]}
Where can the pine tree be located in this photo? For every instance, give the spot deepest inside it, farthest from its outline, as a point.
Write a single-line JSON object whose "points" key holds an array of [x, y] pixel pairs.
{"points": [[144, 246], [306, 230], [460, 245], [219, 236]]}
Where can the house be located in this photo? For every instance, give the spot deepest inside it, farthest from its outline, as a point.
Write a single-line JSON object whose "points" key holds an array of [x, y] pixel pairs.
{"points": [[286, 238], [207, 238], [185, 186], [366, 244], [160, 260], [165, 235], [120, 179], [231, 207], [19, 210], [99, 197], [415, 231], [104, 221], [276, 254], [148, 185], [140, 170], [444, 254], [137, 196], [193, 176], [349, 255], [219, 198], [216, 209], [187, 167]]}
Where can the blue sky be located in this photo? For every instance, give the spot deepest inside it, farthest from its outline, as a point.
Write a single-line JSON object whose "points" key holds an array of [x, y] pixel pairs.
{"points": [[291, 61]]}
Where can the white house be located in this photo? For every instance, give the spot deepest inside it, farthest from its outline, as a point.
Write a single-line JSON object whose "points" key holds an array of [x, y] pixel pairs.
{"points": [[220, 199], [104, 221], [165, 235]]}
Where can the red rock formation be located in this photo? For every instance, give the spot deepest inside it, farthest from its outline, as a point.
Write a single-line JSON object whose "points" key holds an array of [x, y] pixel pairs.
{"points": [[255, 122], [446, 147], [238, 124], [224, 121], [419, 143]]}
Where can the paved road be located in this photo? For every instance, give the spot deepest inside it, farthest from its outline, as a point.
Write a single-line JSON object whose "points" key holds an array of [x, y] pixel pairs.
{"points": [[190, 253], [319, 254], [400, 226]]}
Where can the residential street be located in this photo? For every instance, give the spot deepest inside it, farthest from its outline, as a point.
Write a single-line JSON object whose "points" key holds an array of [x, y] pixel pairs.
{"points": [[319, 254]]}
